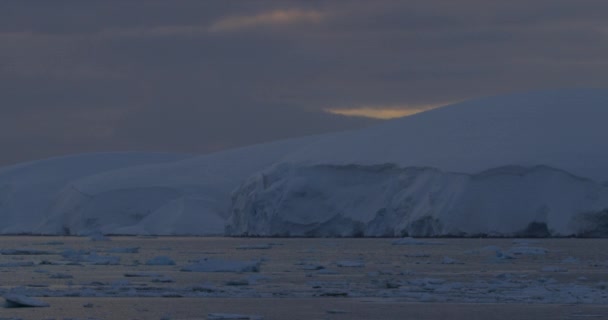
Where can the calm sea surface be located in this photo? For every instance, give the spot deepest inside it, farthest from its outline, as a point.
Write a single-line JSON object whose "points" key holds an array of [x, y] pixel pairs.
{"points": [[307, 278]]}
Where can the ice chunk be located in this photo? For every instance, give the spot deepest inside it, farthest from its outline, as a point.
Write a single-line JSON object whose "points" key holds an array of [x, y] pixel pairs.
{"points": [[232, 316], [254, 247], [16, 264], [571, 260], [124, 250], [24, 252], [160, 261], [60, 276], [18, 301], [216, 265], [96, 259], [416, 255], [448, 260], [553, 269], [142, 275], [413, 242], [524, 250], [350, 264]]}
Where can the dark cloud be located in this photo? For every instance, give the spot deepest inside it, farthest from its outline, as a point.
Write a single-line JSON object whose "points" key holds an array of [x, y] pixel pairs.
{"points": [[199, 76]]}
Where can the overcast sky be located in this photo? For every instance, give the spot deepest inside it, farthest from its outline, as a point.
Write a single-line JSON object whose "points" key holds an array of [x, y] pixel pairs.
{"points": [[200, 76]]}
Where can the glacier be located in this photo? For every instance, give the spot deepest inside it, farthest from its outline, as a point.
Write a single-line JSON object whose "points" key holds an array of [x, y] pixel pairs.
{"points": [[527, 164], [389, 201]]}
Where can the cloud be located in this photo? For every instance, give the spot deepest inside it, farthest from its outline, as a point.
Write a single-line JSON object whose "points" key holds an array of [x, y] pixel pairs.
{"points": [[383, 113], [275, 17], [206, 75], [156, 31]]}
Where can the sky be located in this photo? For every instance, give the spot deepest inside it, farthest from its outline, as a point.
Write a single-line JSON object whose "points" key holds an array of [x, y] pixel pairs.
{"points": [[203, 76]]}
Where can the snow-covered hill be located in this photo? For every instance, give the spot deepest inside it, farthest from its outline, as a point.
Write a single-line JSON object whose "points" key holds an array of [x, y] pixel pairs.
{"points": [[533, 162], [29, 190], [563, 129]]}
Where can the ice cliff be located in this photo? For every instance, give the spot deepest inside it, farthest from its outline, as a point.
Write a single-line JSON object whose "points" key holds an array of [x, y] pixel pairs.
{"points": [[388, 201]]}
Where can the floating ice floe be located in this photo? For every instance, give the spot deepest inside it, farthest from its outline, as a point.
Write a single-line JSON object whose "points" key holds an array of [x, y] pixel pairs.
{"points": [[60, 276], [232, 316], [98, 236], [503, 256], [312, 267], [96, 259], [91, 257], [162, 279], [336, 311], [525, 250], [215, 265], [350, 264], [206, 288], [254, 247], [24, 252], [413, 242], [142, 275], [20, 301], [448, 260], [334, 294], [16, 264], [553, 269], [571, 260], [160, 261], [124, 250], [416, 255], [238, 282], [490, 249]]}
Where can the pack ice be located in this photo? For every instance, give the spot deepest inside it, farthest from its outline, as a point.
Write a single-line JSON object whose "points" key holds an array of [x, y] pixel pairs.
{"points": [[523, 164]]}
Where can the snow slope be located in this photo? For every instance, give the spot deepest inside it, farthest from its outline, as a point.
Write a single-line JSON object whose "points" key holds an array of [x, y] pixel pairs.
{"points": [[563, 129], [28, 190], [555, 137]]}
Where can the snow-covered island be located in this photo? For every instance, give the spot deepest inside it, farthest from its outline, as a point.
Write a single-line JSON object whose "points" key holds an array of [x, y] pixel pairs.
{"points": [[532, 164]]}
